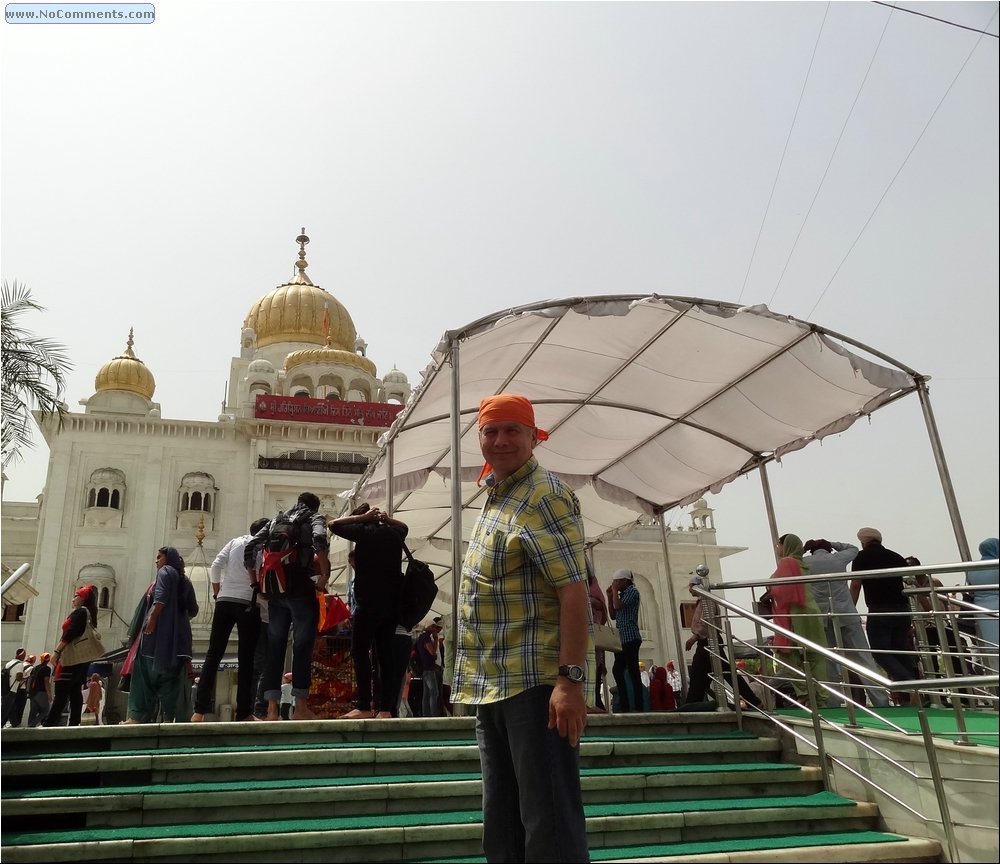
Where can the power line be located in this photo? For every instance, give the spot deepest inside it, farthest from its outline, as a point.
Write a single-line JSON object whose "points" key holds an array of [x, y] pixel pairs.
{"points": [[900, 169], [784, 151], [826, 171], [932, 18]]}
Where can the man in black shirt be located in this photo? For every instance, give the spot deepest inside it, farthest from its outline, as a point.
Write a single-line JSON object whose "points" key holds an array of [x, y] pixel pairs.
{"points": [[378, 555], [40, 691], [889, 625]]}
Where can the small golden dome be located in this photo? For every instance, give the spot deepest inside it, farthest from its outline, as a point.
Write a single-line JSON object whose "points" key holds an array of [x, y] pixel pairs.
{"points": [[299, 311], [329, 355], [126, 372]]}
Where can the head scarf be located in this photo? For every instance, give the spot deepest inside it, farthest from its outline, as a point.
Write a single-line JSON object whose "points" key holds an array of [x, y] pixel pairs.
{"points": [[507, 408], [623, 574], [792, 545], [988, 549], [173, 558], [88, 593], [865, 534]]}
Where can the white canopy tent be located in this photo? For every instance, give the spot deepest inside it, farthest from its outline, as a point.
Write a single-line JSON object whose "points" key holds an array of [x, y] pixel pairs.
{"points": [[650, 402]]}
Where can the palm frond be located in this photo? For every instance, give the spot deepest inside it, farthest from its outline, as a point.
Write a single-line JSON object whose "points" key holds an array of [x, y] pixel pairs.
{"points": [[33, 371]]}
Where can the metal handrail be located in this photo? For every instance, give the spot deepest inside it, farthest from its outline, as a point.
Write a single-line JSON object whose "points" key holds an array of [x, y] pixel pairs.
{"points": [[714, 603]]}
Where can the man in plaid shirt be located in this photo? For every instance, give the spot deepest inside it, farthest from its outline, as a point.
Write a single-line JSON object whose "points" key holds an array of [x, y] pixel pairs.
{"points": [[522, 642]]}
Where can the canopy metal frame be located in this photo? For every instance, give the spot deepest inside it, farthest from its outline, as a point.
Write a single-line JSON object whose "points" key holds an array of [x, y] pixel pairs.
{"points": [[883, 384]]}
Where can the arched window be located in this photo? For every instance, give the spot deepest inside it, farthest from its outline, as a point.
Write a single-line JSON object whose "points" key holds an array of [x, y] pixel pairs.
{"points": [[102, 576], [197, 495], [105, 496]]}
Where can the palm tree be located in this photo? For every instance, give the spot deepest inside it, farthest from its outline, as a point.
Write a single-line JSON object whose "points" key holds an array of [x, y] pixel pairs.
{"points": [[34, 372]]}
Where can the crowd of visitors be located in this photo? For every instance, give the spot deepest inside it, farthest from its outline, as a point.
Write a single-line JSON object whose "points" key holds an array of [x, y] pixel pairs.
{"points": [[528, 599]]}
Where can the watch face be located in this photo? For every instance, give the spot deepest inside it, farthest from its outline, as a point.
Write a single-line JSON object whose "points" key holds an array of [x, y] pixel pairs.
{"points": [[574, 673]]}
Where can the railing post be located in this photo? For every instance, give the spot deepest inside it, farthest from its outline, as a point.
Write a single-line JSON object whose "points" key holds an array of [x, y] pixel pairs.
{"points": [[712, 617], [818, 731], [939, 792]]}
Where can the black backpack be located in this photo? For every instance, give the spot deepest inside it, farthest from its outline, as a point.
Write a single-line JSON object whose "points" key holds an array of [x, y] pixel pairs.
{"points": [[289, 543], [417, 593], [36, 681]]}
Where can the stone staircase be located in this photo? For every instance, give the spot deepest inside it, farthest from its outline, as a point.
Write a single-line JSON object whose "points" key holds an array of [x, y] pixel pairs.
{"points": [[657, 787]]}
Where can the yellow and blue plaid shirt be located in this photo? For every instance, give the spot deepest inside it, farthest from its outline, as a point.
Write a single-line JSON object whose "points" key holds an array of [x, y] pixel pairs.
{"points": [[526, 544]]}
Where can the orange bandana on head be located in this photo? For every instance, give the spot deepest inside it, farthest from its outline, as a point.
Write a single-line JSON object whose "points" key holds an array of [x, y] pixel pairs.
{"points": [[505, 408]]}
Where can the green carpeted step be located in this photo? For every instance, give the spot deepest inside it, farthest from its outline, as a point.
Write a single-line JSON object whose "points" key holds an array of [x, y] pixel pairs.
{"points": [[353, 745], [646, 808], [982, 726], [404, 820], [318, 782], [713, 847]]}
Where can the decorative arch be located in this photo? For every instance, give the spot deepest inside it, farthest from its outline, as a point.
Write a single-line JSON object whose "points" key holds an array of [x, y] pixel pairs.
{"points": [[359, 390], [330, 387], [102, 577], [105, 498], [197, 498], [301, 385]]}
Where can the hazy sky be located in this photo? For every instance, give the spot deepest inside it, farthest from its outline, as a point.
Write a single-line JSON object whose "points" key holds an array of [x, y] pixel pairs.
{"points": [[836, 162]]}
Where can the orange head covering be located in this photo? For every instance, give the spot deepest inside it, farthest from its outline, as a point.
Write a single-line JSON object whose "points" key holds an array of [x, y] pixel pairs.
{"points": [[506, 408]]}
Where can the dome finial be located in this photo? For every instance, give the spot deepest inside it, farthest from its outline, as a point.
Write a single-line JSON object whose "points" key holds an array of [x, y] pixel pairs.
{"points": [[301, 277], [199, 533], [126, 372]]}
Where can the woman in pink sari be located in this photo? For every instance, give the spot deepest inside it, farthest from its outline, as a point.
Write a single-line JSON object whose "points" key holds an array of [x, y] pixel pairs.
{"points": [[795, 610]]}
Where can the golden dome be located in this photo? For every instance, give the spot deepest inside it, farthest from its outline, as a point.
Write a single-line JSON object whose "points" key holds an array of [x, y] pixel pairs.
{"points": [[126, 372], [299, 311], [329, 355]]}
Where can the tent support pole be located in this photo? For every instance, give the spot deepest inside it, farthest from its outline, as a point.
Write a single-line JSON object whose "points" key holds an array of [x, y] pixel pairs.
{"points": [[389, 475], [456, 491], [772, 523], [674, 610], [946, 486]]}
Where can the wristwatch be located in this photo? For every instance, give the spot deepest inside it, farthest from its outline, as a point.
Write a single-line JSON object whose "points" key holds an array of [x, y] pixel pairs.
{"points": [[574, 673]]}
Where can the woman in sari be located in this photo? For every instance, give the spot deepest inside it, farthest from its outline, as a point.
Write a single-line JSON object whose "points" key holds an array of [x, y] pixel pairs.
{"points": [[795, 610], [164, 641]]}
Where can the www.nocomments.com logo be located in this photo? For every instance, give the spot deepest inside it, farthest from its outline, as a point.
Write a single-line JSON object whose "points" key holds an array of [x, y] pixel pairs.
{"points": [[80, 13]]}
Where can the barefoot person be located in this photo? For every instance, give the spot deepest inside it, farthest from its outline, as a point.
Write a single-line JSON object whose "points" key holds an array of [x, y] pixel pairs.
{"points": [[291, 598], [378, 553]]}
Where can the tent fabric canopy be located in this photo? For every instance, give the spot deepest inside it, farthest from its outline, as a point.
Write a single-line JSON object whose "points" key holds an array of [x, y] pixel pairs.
{"points": [[650, 402]]}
